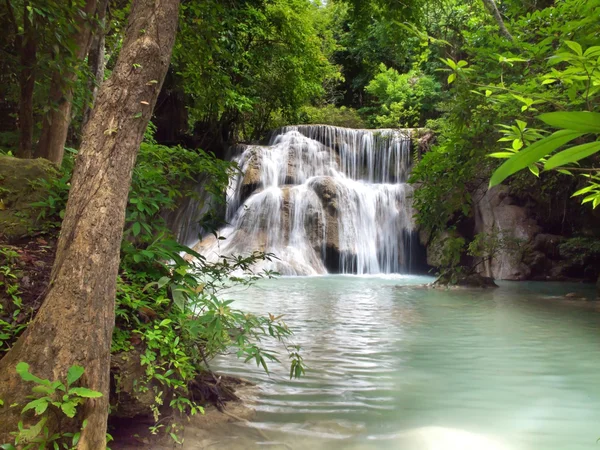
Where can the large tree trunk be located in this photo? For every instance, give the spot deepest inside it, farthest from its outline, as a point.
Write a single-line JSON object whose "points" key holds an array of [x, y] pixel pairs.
{"points": [[26, 84], [56, 122], [96, 59], [25, 43], [493, 10], [75, 323]]}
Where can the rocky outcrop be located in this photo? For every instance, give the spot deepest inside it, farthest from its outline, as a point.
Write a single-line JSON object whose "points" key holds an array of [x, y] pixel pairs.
{"points": [[251, 180], [496, 214], [326, 190]]}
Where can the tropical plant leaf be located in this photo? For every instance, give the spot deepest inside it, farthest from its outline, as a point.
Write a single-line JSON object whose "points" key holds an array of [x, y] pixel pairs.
{"points": [[572, 155], [584, 121], [39, 405], [75, 372], [85, 392], [532, 154]]}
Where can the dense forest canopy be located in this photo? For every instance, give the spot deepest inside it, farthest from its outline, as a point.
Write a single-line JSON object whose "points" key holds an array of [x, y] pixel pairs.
{"points": [[500, 90]]}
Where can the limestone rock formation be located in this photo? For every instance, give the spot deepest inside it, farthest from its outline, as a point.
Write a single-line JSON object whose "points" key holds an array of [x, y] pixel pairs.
{"points": [[495, 212]]}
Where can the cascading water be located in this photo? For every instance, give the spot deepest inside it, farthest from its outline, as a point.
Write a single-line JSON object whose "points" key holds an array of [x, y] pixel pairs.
{"points": [[322, 199]]}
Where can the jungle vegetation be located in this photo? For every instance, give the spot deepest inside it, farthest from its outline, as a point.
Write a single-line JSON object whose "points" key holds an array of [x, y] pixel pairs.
{"points": [[133, 102]]}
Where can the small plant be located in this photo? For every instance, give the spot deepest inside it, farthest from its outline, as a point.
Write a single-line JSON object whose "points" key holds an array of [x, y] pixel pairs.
{"points": [[62, 399], [10, 325]]}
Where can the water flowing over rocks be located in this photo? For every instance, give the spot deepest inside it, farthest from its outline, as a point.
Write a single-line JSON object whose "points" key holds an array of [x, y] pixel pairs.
{"points": [[322, 199]]}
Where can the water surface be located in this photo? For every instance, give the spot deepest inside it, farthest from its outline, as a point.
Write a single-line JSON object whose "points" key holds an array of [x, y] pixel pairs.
{"points": [[396, 366]]}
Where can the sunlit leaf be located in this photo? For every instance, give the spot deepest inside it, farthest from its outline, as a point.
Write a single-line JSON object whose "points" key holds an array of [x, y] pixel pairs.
{"points": [[572, 155], [584, 121], [532, 154]]}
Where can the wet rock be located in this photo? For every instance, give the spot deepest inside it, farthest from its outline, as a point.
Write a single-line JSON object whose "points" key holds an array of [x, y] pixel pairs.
{"points": [[474, 280], [495, 212], [252, 180], [439, 246]]}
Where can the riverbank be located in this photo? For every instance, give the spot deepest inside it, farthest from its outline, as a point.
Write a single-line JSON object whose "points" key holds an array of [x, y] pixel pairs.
{"points": [[203, 430]]}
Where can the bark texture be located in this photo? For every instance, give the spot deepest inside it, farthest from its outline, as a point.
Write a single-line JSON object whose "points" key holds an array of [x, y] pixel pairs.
{"points": [[96, 61], [493, 9], [26, 84], [76, 321], [55, 126]]}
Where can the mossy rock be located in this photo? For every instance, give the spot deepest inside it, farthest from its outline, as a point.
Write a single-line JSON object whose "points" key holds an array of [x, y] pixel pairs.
{"points": [[19, 188]]}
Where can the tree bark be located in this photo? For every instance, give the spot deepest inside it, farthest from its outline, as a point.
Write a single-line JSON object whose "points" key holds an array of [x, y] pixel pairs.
{"points": [[76, 321], [493, 10], [55, 125], [26, 84], [96, 60]]}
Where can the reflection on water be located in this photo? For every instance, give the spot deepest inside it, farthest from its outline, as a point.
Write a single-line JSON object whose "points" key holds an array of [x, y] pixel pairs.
{"points": [[394, 366]]}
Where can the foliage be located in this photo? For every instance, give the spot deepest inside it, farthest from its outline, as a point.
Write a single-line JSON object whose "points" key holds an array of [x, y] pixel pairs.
{"points": [[582, 79], [11, 304], [457, 259], [403, 100], [240, 64], [581, 251], [496, 86], [60, 399], [170, 304], [331, 115]]}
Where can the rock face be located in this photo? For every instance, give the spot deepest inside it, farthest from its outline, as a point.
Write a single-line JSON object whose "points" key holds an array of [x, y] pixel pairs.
{"points": [[19, 187], [495, 213]]}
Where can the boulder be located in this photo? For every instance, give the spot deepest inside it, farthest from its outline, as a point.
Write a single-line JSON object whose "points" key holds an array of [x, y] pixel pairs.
{"points": [[326, 190], [495, 212], [438, 246], [252, 176]]}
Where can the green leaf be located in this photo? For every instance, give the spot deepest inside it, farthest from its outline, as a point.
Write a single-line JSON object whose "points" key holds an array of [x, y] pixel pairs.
{"points": [[564, 172], [23, 371], [31, 433], [136, 228], [40, 405], [575, 47], [585, 190], [451, 78], [532, 154], [517, 144], [534, 170], [572, 155], [163, 281], [179, 299], [85, 392], [584, 121], [69, 408], [74, 374]]}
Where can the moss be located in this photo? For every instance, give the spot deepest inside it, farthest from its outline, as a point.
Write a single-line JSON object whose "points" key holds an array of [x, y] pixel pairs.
{"points": [[18, 189]]}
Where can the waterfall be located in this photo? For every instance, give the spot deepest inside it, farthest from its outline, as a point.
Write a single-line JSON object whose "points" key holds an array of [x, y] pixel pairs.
{"points": [[322, 199]]}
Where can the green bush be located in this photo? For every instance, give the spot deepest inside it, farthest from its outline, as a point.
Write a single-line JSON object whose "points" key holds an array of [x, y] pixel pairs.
{"points": [[402, 100], [331, 115]]}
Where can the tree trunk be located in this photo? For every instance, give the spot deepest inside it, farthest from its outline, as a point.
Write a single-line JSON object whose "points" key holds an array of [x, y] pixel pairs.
{"points": [[56, 122], [27, 83], [75, 323], [27, 48], [493, 9], [96, 59]]}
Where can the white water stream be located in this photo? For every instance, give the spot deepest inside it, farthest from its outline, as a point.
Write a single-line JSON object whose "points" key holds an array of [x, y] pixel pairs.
{"points": [[322, 199]]}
